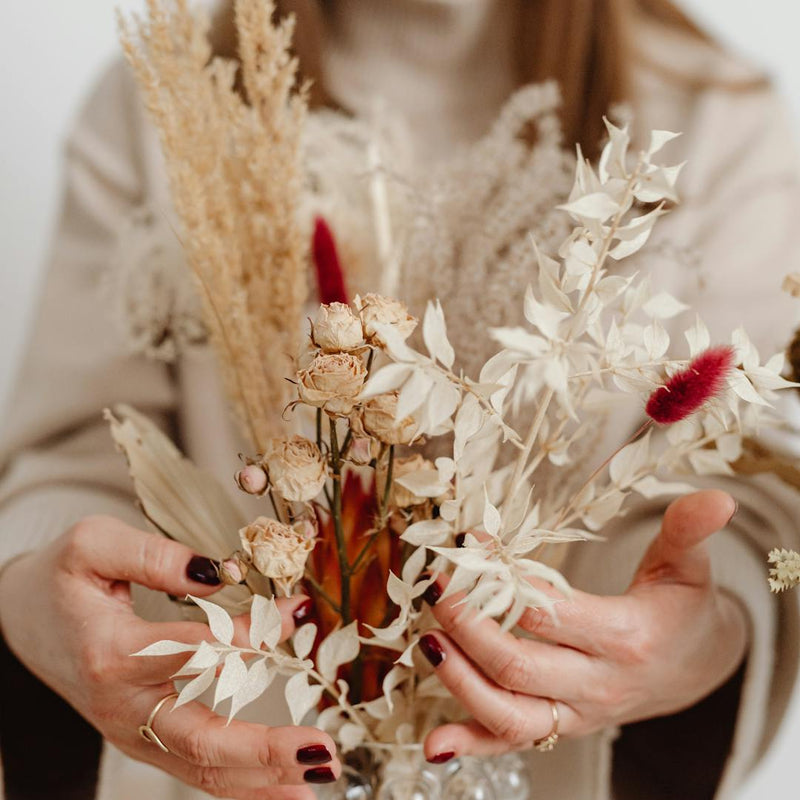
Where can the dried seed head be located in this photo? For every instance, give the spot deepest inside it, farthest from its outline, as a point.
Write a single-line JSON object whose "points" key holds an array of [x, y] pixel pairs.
{"points": [[687, 390]]}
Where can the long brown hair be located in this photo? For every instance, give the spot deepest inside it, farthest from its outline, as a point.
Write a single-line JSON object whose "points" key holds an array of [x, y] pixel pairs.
{"points": [[587, 46]]}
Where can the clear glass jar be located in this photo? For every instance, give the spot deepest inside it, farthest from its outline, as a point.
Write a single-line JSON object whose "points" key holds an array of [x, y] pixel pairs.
{"points": [[400, 772]]}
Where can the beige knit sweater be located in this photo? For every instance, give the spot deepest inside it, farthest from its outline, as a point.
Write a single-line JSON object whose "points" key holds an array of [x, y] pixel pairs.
{"points": [[444, 64]]}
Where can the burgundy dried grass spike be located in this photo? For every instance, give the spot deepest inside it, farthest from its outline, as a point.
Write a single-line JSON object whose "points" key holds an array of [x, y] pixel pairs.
{"points": [[687, 390], [330, 276]]}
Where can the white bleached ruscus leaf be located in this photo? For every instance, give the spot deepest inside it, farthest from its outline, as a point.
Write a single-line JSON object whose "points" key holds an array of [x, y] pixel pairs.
{"points": [[339, 647]]}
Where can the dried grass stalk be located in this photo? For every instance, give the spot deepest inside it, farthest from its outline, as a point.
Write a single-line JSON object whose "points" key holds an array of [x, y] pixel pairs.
{"points": [[230, 133]]}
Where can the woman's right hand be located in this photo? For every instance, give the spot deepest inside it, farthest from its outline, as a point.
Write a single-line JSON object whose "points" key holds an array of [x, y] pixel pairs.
{"points": [[66, 612]]}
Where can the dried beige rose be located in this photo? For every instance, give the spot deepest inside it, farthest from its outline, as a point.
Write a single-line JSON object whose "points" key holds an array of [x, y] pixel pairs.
{"points": [[332, 382], [277, 551], [378, 310], [295, 468], [337, 329], [306, 353], [379, 420], [399, 496]]}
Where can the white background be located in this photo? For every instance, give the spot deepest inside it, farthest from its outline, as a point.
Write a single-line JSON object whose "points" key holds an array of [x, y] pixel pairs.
{"points": [[50, 50]]}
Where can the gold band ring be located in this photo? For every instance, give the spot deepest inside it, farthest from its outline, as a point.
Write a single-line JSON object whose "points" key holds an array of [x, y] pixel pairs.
{"points": [[547, 743], [146, 731]]}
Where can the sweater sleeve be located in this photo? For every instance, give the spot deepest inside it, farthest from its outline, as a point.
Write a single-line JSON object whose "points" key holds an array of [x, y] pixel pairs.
{"points": [[56, 455], [737, 229]]}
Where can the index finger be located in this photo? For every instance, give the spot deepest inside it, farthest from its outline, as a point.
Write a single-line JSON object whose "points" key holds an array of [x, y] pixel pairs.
{"points": [[196, 734]]}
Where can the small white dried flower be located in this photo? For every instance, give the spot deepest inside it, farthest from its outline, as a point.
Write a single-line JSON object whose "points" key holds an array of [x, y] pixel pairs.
{"points": [[277, 551], [295, 468], [377, 310], [379, 419], [252, 479], [791, 284], [786, 572], [332, 382], [337, 329]]}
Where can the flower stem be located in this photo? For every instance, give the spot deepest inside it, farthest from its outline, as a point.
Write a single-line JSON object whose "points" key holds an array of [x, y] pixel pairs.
{"points": [[383, 509], [571, 504], [336, 512]]}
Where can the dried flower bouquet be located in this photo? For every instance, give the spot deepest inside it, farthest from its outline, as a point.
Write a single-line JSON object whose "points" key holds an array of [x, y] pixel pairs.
{"points": [[356, 512]]}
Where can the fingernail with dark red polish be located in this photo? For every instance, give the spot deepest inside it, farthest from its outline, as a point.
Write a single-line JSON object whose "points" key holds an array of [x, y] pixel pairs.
{"points": [[432, 594], [313, 754], [203, 570], [303, 612], [441, 758], [319, 775], [431, 649], [460, 539]]}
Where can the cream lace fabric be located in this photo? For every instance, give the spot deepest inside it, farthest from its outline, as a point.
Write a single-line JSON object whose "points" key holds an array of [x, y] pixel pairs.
{"points": [[460, 230]]}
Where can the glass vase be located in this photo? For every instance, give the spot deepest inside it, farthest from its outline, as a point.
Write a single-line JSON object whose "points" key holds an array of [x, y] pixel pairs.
{"points": [[400, 772]]}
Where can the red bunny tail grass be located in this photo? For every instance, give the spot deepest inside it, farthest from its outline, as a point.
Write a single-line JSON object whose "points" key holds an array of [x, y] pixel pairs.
{"points": [[688, 389], [330, 277]]}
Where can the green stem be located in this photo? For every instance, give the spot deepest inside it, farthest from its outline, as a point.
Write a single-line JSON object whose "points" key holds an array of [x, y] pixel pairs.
{"points": [[321, 592], [336, 511]]}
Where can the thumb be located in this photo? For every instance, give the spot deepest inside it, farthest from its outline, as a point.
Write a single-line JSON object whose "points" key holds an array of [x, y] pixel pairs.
{"points": [[677, 554], [109, 549]]}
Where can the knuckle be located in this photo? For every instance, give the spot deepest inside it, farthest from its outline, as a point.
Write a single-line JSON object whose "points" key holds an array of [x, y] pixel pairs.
{"points": [[266, 755], [535, 621], [77, 539], [607, 694], [512, 727], [511, 670], [212, 781], [98, 664], [637, 646], [197, 748]]}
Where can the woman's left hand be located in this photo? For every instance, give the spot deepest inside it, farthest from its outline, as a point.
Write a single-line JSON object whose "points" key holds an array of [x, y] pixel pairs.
{"points": [[669, 641]]}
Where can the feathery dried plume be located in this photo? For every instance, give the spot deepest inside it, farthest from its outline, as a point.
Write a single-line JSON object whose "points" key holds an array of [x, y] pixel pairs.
{"points": [[688, 390], [234, 166], [786, 572]]}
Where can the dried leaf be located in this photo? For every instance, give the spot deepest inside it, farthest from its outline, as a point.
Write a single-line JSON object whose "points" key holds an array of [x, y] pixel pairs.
{"points": [[301, 697], [218, 620], [265, 623], [339, 647]]}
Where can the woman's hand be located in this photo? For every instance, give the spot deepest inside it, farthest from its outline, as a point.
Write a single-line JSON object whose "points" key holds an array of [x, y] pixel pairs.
{"points": [[669, 641], [67, 615]]}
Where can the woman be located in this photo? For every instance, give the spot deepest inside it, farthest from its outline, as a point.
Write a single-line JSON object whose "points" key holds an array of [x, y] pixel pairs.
{"points": [[699, 658]]}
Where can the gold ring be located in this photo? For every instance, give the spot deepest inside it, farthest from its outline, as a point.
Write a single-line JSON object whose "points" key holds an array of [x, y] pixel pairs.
{"points": [[547, 743], [146, 731]]}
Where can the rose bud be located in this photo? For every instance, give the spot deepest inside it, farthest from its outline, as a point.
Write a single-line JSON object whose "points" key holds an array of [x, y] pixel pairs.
{"points": [[252, 479], [233, 570], [361, 450]]}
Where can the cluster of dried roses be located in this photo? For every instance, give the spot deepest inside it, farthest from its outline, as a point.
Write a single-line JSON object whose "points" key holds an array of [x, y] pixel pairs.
{"points": [[332, 370]]}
